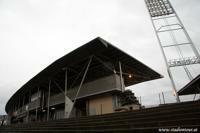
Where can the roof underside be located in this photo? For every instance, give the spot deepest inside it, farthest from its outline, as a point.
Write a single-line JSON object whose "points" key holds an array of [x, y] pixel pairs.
{"points": [[192, 87], [106, 58]]}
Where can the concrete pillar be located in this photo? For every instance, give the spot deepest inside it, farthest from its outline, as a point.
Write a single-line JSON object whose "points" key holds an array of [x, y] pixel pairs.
{"points": [[36, 110], [49, 92], [121, 78], [66, 99]]}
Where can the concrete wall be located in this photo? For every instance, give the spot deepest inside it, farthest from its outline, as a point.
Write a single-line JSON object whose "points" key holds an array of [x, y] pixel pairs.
{"points": [[98, 86], [102, 104], [96, 105]]}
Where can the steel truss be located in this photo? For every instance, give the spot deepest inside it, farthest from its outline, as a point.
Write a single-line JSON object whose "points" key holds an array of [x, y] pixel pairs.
{"points": [[162, 13]]}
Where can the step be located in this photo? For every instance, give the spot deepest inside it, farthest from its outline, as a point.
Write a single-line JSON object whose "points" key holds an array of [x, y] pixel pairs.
{"points": [[135, 122], [185, 110], [160, 124]]}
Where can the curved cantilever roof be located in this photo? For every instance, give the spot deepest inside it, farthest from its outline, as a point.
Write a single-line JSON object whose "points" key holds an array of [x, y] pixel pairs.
{"points": [[75, 60]]}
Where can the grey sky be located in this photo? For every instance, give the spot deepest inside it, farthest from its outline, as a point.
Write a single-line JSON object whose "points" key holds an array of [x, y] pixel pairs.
{"points": [[34, 33]]}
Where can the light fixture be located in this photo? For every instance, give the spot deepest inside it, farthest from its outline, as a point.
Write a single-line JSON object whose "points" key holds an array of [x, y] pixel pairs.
{"points": [[130, 76], [52, 108]]}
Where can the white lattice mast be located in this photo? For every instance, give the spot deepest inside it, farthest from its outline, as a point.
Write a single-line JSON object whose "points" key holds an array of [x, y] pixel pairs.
{"points": [[165, 20]]}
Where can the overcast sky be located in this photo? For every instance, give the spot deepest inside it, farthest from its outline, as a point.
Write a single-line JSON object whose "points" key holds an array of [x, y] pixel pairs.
{"points": [[34, 33]]}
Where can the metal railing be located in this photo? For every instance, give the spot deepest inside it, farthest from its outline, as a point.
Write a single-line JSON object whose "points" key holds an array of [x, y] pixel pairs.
{"points": [[57, 99], [34, 104], [30, 106], [165, 97]]}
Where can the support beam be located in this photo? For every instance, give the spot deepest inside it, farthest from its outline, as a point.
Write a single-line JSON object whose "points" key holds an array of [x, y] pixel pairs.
{"points": [[102, 62], [36, 111], [121, 78], [49, 92], [18, 106], [83, 79], [66, 81], [66, 98], [58, 86], [163, 98], [23, 100], [140, 99], [29, 100], [68, 102], [23, 111], [42, 99], [77, 77], [159, 98], [86, 70]]}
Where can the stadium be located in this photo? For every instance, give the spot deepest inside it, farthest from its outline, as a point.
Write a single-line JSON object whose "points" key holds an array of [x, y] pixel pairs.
{"points": [[87, 90]]}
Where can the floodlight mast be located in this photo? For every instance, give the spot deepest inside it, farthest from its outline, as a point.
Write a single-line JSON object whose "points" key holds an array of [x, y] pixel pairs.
{"points": [[162, 11]]}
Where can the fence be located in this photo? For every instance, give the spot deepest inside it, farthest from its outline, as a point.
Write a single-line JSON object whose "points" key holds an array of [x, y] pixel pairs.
{"points": [[164, 98]]}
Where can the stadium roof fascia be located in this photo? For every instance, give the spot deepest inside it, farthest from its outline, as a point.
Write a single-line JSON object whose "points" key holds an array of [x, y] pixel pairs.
{"points": [[97, 47]]}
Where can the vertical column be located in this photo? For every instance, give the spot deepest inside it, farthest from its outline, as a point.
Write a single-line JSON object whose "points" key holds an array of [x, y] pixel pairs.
{"points": [[49, 92], [23, 101], [42, 99], [36, 111], [29, 100], [163, 97], [141, 100], [159, 98], [66, 101], [18, 106], [87, 108], [121, 78]]}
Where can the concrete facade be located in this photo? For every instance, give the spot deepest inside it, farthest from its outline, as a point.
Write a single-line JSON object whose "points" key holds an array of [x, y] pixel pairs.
{"points": [[101, 105]]}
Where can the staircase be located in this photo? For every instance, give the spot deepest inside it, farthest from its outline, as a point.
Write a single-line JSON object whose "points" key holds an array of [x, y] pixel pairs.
{"points": [[178, 115]]}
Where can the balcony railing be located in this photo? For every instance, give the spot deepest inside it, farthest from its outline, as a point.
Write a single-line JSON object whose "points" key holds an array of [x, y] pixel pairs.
{"points": [[21, 110], [34, 104], [57, 99]]}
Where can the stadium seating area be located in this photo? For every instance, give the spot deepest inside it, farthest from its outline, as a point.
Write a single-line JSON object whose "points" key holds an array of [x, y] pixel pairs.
{"points": [[177, 115]]}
